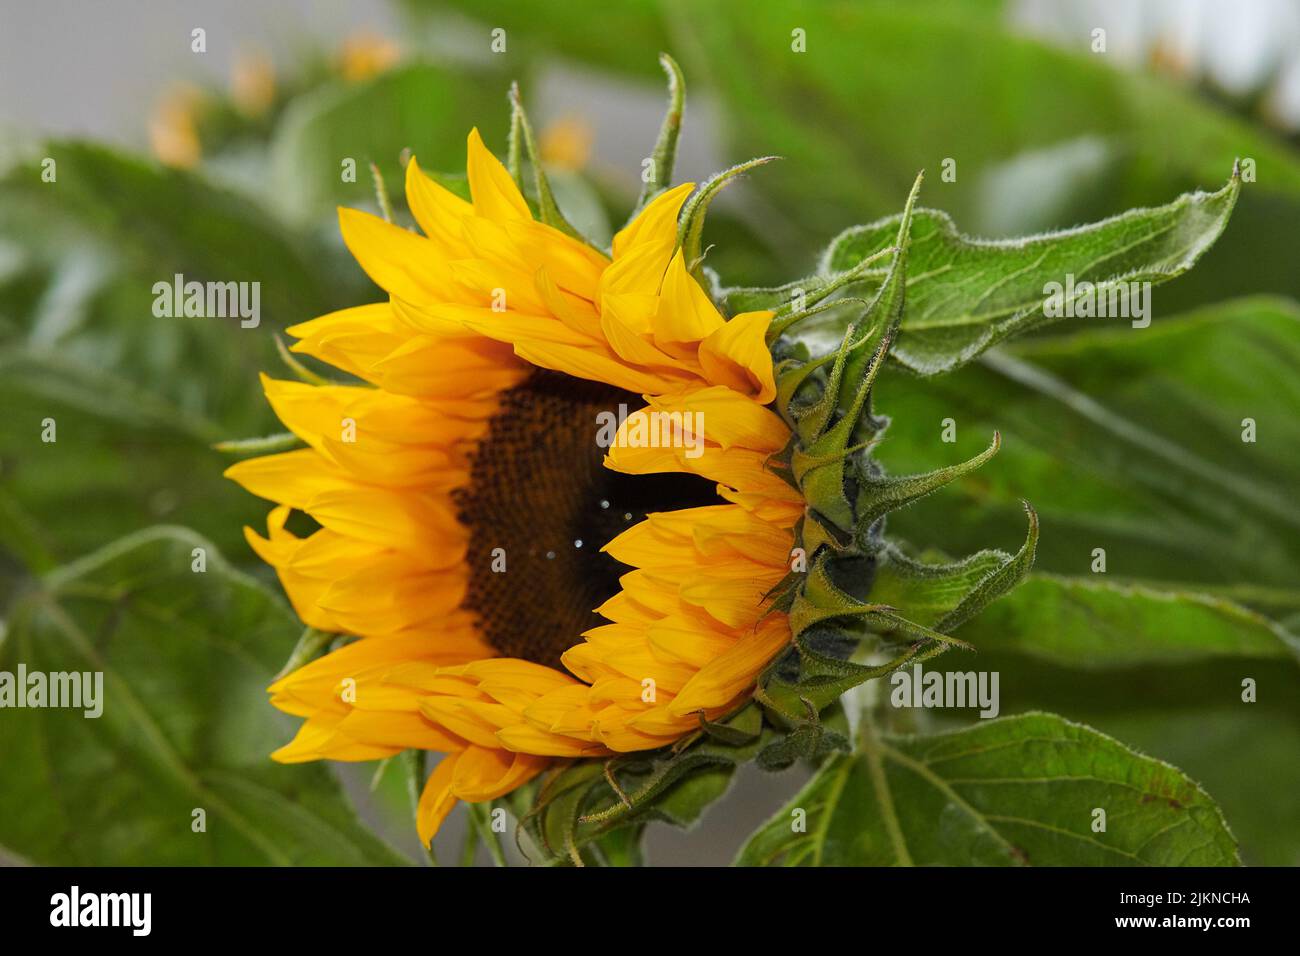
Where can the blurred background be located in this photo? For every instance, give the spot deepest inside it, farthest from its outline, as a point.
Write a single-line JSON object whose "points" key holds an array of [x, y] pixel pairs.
{"points": [[223, 163]]}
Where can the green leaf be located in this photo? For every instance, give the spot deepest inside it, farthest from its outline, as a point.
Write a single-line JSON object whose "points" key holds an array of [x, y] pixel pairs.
{"points": [[1128, 440], [1190, 712], [424, 108], [534, 30], [137, 399], [1015, 791], [965, 295], [141, 224], [1093, 623], [124, 458], [942, 81], [185, 725]]}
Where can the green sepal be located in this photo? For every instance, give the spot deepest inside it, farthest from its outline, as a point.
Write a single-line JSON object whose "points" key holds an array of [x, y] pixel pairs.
{"points": [[812, 419], [821, 600], [879, 495], [735, 734], [263, 445], [820, 681], [819, 471], [1011, 573], [300, 371], [946, 594], [819, 460], [690, 229], [816, 532], [791, 377], [578, 805], [787, 317], [664, 156], [801, 298], [521, 129], [311, 645], [782, 594], [812, 740]]}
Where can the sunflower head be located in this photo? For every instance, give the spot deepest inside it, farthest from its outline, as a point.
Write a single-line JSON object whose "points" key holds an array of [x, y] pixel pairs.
{"points": [[567, 513]]}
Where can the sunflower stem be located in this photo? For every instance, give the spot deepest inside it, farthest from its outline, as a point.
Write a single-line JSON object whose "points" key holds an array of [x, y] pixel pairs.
{"points": [[414, 762], [470, 850], [480, 815]]}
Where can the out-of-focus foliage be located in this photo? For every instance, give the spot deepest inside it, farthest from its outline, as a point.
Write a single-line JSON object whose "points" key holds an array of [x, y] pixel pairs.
{"points": [[1041, 137], [174, 769], [1124, 440]]}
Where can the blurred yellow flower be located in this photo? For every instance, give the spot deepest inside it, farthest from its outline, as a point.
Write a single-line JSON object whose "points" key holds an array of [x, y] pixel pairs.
{"points": [[566, 143], [173, 127], [252, 83], [365, 54]]}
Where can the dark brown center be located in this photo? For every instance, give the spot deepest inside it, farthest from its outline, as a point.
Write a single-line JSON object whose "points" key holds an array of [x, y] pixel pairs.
{"points": [[539, 492]]}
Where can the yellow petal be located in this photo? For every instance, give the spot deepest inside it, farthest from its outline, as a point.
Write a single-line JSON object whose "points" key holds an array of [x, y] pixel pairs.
{"points": [[483, 774], [685, 316], [734, 670], [736, 355], [399, 262], [656, 224], [495, 194], [438, 210], [436, 801]]}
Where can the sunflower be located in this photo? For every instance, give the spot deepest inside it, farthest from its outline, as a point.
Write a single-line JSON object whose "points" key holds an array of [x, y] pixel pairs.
{"points": [[524, 590]]}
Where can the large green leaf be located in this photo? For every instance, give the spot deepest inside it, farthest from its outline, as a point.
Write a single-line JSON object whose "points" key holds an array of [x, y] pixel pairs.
{"points": [[151, 222], [966, 295], [136, 398], [940, 80], [90, 247], [124, 458], [185, 657], [534, 31], [1020, 790], [1092, 623], [886, 89], [1191, 712], [427, 109], [1127, 440]]}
